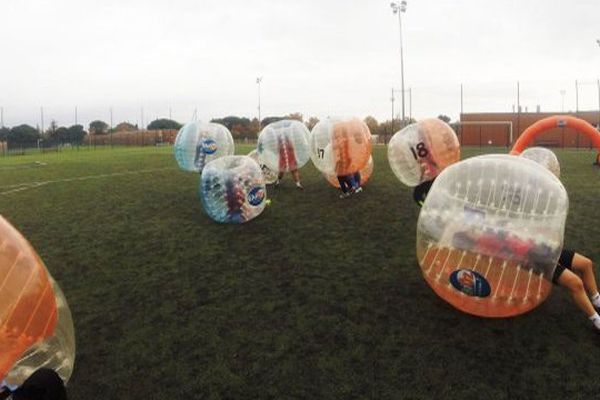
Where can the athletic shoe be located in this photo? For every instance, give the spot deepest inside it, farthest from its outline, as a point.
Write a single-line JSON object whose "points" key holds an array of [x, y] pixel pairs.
{"points": [[299, 186], [358, 190], [344, 195]]}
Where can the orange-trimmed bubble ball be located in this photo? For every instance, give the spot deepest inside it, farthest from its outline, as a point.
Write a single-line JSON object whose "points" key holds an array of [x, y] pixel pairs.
{"points": [[340, 146], [365, 175], [420, 151], [490, 233], [36, 328], [543, 156]]}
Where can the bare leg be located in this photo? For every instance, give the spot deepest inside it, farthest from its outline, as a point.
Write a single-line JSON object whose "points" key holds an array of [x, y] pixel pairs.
{"points": [[575, 285], [584, 267], [296, 175]]}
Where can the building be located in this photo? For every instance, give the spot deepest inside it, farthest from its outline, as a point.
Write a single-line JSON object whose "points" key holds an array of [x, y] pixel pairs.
{"points": [[495, 129]]}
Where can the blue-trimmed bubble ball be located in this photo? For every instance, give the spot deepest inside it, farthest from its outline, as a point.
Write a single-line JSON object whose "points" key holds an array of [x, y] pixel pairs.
{"points": [[232, 189], [198, 143]]}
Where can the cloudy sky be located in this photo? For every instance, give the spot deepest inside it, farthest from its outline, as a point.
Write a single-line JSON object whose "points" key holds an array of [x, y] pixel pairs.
{"points": [[317, 57]]}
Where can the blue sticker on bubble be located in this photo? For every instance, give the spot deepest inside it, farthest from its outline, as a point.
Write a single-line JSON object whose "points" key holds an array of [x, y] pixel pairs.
{"points": [[256, 196], [209, 146], [470, 283]]}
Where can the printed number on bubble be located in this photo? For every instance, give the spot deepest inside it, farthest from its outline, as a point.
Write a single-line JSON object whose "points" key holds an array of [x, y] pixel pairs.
{"points": [[321, 153], [420, 151]]}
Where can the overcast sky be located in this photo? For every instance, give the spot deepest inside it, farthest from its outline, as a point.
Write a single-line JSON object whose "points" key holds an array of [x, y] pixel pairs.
{"points": [[317, 57]]}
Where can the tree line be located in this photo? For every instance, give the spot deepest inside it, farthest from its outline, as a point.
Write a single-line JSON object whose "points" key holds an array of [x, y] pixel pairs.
{"points": [[240, 128]]}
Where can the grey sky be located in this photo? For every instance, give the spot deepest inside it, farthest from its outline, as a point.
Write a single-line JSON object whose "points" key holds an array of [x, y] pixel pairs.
{"points": [[320, 58]]}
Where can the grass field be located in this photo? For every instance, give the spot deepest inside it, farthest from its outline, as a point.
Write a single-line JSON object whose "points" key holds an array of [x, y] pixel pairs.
{"points": [[316, 298]]}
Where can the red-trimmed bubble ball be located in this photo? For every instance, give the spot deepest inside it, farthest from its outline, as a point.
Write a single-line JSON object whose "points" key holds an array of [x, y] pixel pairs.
{"points": [[283, 145]]}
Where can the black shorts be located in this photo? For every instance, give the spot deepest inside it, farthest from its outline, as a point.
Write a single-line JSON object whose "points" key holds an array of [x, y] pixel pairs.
{"points": [[565, 261]]}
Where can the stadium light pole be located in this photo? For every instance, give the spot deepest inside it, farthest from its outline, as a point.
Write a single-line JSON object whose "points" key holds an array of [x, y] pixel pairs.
{"points": [[258, 81], [399, 8]]}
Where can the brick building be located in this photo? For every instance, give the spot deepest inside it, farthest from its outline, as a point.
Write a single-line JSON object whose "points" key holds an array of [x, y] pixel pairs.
{"points": [[493, 129]]}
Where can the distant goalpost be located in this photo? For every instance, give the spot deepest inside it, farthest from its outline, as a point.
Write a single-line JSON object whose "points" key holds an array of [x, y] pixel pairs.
{"points": [[507, 124]]}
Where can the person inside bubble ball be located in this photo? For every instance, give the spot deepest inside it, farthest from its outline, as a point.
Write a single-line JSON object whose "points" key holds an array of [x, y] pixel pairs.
{"points": [[573, 271], [420, 192], [349, 183], [43, 384], [287, 161]]}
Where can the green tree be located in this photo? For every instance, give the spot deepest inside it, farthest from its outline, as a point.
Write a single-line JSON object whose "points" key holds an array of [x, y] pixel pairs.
{"points": [[268, 120], [4, 132], [372, 123], [22, 134], [98, 127], [50, 132], [312, 121], [164, 123], [125, 127], [76, 134], [60, 134], [444, 118], [297, 116], [239, 127]]}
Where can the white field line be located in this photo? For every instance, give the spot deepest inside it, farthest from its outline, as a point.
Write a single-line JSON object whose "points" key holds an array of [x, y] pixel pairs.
{"points": [[36, 164], [30, 185]]}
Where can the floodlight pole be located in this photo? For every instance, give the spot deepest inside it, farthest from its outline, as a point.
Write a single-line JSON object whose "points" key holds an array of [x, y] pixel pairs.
{"points": [[399, 8], [258, 81], [392, 123]]}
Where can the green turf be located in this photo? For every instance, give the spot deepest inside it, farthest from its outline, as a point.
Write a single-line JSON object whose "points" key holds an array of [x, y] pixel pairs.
{"points": [[316, 298]]}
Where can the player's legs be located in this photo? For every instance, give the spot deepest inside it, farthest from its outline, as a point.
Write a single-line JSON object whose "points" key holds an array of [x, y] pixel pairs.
{"points": [[296, 176], [279, 178], [584, 267], [574, 284]]}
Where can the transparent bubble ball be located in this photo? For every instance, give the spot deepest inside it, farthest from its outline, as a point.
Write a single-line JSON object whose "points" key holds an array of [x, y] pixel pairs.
{"points": [[420, 151], [490, 233], [283, 145], [270, 175], [232, 189], [365, 175], [340, 146], [198, 143], [544, 157], [36, 327]]}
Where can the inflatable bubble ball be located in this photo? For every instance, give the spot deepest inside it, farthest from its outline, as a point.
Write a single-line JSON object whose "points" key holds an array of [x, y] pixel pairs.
{"points": [[36, 328], [198, 143], [270, 175], [232, 189], [283, 145], [543, 156], [365, 175], [490, 234], [419, 152], [340, 146]]}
